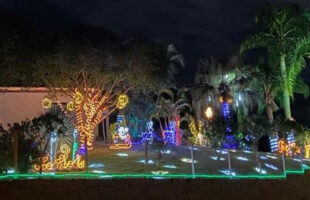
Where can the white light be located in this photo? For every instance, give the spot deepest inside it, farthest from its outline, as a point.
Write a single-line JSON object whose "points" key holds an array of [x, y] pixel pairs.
{"points": [[305, 166], [96, 165], [247, 151], [165, 151], [170, 166], [122, 154], [272, 157], [228, 173], [187, 160], [11, 171], [98, 171], [263, 157], [160, 172], [223, 152], [260, 171], [297, 160], [149, 161], [215, 158], [242, 158], [271, 166]]}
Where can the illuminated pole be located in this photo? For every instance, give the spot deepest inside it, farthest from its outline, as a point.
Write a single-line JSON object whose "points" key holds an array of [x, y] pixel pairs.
{"points": [[193, 162], [283, 162], [229, 162]]}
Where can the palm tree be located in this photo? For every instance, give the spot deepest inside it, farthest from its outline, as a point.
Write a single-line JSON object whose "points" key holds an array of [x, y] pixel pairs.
{"points": [[285, 29]]}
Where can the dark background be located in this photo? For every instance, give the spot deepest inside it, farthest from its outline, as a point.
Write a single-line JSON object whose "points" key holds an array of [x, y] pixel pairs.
{"points": [[198, 28]]}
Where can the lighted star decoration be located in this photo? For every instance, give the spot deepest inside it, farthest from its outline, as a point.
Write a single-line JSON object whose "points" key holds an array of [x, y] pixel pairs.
{"points": [[122, 101], [46, 103]]}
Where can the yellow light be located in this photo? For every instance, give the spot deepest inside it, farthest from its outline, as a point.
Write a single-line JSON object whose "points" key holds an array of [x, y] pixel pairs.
{"points": [[62, 162], [209, 113], [46, 103], [122, 101], [307, 151], [70, 106], [78, 97]]}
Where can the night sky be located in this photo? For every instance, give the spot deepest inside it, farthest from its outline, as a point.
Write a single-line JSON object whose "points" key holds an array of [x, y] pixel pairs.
{"points": [[198, 28]]}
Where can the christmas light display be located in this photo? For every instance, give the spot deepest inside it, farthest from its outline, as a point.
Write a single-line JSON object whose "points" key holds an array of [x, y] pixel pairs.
{"points": [[96, 165], [75, 144], [171, 134], [272, 157], [261, 171], [307, 151], [122, 154], [62, 162], [229, 142], [274, 144], [160, 172], [71, 106], [148, 135], [215, 158], [53, 146], [121, 137], [143, 161], [227, 172], [290, 143], [188, 160], [122, 101], [170, 166], [46, 103], [209, 113], [242, 158], [271, 166]]}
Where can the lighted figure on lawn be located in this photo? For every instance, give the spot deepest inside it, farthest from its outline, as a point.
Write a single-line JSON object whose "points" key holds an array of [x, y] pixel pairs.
{"points": [[53, 146], [148, 136], [274, 141], [197, 132], [62, 162], [288, 147], [121, 137], [230, 142], [172, 134]]}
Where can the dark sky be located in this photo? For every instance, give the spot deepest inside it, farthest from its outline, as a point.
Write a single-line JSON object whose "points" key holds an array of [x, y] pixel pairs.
{"points": [[198, 28]]}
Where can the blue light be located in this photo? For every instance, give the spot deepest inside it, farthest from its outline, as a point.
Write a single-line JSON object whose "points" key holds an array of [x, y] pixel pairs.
{"points": [[215, 158], [143, 161], [122, 154], [262, 171], [271, 166], [263, 157], [242, 158], [170, 166], [96, 165], [227, 172]]}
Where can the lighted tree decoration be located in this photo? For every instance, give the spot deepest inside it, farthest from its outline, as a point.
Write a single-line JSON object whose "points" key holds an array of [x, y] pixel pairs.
{"points": [[91, 85]]}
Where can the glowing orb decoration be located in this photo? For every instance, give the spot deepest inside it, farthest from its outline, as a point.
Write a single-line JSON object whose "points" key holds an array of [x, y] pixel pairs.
{"points": [[70, 106], [122, 101], [78, 97], [46, 103], [65, 149], [209, 113]]}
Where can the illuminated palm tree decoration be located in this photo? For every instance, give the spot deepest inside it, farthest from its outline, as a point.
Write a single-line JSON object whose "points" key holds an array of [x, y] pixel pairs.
{"points": [[285, 38]]}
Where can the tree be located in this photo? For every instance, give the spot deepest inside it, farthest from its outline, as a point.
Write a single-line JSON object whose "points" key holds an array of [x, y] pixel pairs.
{"points": [[284, 31], [92, 79]]}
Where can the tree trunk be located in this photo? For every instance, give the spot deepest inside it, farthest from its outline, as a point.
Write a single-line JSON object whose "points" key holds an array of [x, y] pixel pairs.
{"points": [[285, 89], [270, 113]]}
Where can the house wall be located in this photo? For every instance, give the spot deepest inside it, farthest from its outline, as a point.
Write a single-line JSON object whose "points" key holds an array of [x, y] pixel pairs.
{"points": [[18, 104]]}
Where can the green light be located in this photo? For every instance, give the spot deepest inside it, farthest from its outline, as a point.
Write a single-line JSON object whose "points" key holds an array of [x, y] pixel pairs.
{"points": [[167, 176]]}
